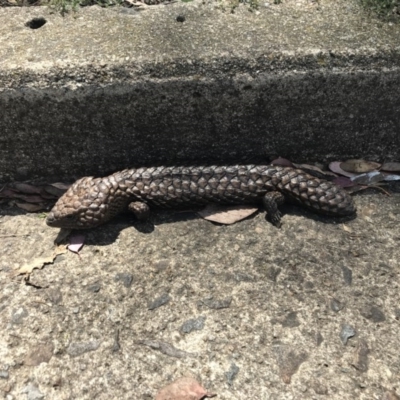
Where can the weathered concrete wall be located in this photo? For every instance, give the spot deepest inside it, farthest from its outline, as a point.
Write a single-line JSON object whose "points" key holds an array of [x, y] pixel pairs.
{"points": [[102, 90]]}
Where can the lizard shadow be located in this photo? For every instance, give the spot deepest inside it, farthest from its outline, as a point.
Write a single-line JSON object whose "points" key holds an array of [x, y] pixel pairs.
{"points": [[108, 233]]}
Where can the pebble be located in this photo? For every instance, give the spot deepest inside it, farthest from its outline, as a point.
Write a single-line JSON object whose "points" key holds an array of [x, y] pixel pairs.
{"points": [[125, 278], [79, 348], [159, 301], [336, 305], [19, 315], [218, 304], [372, 313], [347, 275], [291, 320], [94, 287], [39, 354], [193, 324], [32, 392], [346, 333], [4, 374], [232, 373], [360, 361]]}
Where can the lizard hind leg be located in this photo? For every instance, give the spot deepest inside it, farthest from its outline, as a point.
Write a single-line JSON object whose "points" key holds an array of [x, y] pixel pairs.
{"points": [[140, 209], [271, 201]]}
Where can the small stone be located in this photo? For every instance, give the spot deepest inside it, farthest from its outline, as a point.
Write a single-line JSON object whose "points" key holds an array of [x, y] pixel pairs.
{"points": [[39, 354], [32, 392], [94, 287], [272, 273], [390, 395], [318, 338], [288, 360], [78, 348], [4, 374], [347, 275], [372, 313], [19, 315], [193, 324], [116, 346], [336, 305], [320, 388], [159, 301], [218, 304], [125, 278], [232, 373], [346, 333], [54, 295], [291, 320], [360, 360]]}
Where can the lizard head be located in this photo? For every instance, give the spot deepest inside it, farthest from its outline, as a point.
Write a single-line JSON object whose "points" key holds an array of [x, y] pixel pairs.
{"points": [[86, 204]]}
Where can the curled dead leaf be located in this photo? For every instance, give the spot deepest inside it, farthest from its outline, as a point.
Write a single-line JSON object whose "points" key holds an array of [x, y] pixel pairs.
{"points": [[391, 167], [31, 198], [343, 182], [40, 262], [56, 189], [8, 193], [226, 215], [61, 185], [315, 171], [334, 166], [31, 207], [26, 188], [185, 388], [359, 166], [283, 162]]}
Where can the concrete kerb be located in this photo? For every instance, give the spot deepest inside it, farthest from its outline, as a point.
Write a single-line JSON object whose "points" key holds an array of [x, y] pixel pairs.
{"points": [[102, 90]]}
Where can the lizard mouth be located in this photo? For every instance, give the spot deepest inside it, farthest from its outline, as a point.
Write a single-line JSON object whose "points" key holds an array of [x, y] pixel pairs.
{"points": [[50, 220]]}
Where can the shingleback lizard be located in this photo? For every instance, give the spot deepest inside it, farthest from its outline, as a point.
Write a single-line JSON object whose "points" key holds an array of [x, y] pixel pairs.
{"points": [[90, 202]]}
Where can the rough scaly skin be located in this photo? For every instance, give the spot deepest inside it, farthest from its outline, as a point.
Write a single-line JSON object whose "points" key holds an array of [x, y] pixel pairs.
{"points": [[90, 202]]}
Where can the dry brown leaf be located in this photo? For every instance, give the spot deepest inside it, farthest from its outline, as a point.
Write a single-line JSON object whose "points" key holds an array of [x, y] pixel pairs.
{"points": [[314, 170], [31, 207], [26, 188], [283, 162], [61, 185], [31, 198], [391, 167], [56, 189], [40, 262], [359, 166], [185, 388], [226, 215], [8, 193], [335, 167], [343, 181]]}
